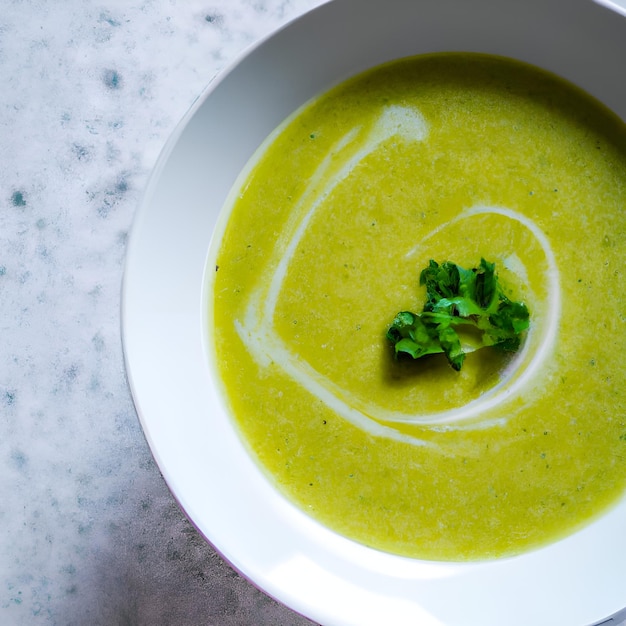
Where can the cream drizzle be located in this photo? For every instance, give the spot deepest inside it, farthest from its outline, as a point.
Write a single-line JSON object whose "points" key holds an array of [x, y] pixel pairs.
{"points": [[266, 346]]}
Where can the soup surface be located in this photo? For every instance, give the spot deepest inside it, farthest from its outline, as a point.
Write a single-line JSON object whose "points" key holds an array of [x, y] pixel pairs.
{"points": [[446, 157]]}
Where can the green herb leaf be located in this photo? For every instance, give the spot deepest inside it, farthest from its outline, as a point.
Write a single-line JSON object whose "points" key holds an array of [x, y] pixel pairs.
{"points": [[457, 297]]}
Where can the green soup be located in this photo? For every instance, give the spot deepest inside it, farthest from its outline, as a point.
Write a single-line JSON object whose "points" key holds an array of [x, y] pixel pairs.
{"points": [[446, 157]]}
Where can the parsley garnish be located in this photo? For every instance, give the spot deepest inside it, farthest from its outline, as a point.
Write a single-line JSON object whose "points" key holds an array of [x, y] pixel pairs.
{"points": [[459, 302]]}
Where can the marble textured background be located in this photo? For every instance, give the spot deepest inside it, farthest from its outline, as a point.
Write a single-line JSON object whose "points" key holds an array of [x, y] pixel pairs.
{"points": [[89, 92]]}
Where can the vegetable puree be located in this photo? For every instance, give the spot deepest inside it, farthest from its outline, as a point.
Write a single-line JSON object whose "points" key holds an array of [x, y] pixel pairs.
{"points": [[449, 157]]}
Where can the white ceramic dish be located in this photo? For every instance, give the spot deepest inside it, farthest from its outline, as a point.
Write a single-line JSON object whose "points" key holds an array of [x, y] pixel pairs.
{"points": [[577, 581]]}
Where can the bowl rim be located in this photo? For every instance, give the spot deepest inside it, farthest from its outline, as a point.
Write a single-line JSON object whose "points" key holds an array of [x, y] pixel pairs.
{"points": [[152, 306]]}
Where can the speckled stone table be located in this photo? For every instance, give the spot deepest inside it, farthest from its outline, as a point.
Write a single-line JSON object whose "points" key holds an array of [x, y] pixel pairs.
{"points": [[90, 91]]}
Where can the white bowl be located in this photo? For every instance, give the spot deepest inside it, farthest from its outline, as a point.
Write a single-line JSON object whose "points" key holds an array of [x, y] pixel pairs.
{"points": [[332, 580]]}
